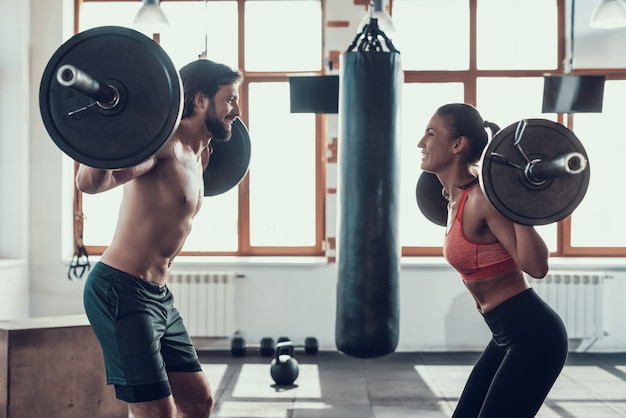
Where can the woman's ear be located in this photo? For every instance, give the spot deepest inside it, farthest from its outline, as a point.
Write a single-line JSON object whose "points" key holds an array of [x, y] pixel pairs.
{"points": [[459, 144]]}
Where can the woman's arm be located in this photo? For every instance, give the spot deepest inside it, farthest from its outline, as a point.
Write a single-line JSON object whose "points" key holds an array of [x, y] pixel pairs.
{"points": [[532, 251], [524, 244]]}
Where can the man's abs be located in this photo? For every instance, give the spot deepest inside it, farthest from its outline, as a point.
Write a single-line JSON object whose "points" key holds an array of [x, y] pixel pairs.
{"points": [[145, 247]]}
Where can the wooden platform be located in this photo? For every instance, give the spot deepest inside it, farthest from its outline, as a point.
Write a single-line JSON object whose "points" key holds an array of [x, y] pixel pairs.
{"points": [[53, 367]]}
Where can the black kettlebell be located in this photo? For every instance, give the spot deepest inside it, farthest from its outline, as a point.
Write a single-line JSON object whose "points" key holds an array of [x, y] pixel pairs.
{"points": [[284, 368]]}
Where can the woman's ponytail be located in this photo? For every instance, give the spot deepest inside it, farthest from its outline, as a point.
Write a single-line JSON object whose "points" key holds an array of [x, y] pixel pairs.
{"points": [[492, 127]]}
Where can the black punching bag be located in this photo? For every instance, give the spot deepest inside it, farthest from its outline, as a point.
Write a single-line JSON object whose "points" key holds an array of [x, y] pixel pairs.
{"points": [[368, 248]]}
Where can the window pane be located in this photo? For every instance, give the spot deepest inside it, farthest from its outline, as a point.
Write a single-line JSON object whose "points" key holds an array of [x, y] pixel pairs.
{"points": [[432, 34], [190, 22], [505, 101], [282, 169], [101, 210], [598, 221], [183, 42], [517, 34], [116, 13], [419, 103], [215, 226], [283, 35]]}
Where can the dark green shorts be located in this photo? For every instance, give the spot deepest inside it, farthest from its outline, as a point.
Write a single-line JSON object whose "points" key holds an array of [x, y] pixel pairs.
{"points": [[141, 333]]}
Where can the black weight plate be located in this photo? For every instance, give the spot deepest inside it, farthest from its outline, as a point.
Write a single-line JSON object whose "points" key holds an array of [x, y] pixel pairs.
{"points": [[229, 162], [512, 194], [151, 100], [430, 201]]}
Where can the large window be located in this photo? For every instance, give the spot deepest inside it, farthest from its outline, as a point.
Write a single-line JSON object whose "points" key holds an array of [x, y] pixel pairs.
{"points": [[275, 210], [490, 53], [598, 223], [494, 54]]}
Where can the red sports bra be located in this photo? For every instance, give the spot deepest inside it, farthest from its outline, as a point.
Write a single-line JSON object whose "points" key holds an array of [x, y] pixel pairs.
{"points": [[474, 260]]}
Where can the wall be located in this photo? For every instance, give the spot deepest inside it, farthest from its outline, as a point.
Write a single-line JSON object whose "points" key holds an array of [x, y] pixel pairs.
{"points": [[276, 297], [14, 145], [51, 194]]}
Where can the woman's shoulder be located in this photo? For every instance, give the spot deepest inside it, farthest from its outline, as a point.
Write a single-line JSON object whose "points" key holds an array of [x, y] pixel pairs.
{"points": [[479, 203]]}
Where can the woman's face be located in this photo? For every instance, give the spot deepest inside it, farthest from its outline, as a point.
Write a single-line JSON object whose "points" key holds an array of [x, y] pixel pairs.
{"points": [[436, 145]]}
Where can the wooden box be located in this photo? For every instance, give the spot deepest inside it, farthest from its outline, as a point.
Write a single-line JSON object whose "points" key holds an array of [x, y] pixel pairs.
{"points": [[53, 367]]}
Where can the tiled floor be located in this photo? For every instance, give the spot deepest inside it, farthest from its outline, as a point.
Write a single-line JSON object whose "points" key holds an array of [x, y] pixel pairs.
{"points": [[425, 385]]}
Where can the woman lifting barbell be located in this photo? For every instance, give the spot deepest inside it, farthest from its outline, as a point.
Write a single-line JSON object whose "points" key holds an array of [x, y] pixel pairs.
{"points": [[528, 349]]}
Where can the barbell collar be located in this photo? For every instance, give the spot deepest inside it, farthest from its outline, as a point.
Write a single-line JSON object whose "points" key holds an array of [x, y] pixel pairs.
{"points": [[105, 95], [571, 163]]}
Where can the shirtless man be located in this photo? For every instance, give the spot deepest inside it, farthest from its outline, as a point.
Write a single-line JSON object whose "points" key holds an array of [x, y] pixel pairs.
{"points": [[148, 354]]}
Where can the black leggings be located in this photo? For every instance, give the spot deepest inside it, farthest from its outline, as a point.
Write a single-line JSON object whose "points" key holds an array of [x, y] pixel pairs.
{"points": [[516, 371]]}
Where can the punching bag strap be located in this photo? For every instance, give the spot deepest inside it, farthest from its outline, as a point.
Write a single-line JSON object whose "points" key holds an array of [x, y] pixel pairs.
{"points": [[368, 39]]}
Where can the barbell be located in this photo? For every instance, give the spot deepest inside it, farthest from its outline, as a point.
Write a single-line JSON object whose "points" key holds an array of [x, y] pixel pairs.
{"points": [[534, 172], [110, 97]]}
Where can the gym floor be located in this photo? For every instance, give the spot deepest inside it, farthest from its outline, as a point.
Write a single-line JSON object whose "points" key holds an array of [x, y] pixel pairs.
{"points": [[424, 384]]}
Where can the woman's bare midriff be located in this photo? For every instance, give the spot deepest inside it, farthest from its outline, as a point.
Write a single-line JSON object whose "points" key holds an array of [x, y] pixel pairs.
{"points": [[489, 293]]}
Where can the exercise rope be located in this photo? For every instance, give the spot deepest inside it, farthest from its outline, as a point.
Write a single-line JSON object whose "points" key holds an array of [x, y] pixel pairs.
{"points": [[80, 262]]}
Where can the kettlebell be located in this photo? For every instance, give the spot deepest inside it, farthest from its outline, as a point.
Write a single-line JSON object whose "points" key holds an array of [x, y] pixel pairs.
{"points": [[284, 368]]}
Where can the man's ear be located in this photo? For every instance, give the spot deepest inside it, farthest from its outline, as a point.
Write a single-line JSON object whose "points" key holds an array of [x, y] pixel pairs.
{"points": [[200, 100]]}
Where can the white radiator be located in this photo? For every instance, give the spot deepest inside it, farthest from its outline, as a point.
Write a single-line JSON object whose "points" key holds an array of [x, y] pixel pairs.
{"points": [[578, 298], [206, 301]]}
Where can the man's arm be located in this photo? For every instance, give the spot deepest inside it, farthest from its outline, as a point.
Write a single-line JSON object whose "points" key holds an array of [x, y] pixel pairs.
{"points": [[95, 180]]}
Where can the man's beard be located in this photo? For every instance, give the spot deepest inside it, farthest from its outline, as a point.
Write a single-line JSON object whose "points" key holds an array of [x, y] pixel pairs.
{"points": [[221, 130]]}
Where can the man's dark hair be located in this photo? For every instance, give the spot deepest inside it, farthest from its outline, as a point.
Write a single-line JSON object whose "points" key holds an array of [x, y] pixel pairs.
{"points": [[205, 76]]}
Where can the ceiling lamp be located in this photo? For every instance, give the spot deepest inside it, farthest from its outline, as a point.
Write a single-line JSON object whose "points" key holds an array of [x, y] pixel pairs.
{"points": [[609, 14], [150, 18]]}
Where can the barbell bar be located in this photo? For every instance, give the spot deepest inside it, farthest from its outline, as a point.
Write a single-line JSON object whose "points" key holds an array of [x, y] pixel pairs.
{"points": [[105, 95]]}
